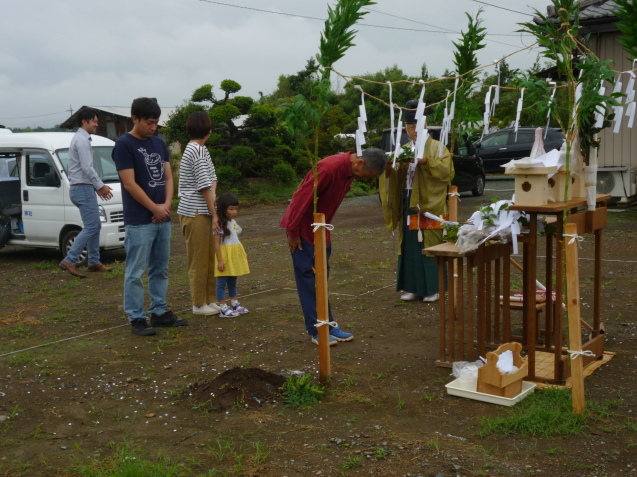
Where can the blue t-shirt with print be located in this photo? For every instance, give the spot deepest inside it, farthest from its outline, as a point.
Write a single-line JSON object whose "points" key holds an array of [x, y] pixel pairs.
{"points": [[146, 157]]}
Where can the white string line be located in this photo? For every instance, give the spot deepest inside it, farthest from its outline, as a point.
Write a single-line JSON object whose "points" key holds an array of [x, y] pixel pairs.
{"points": [[181, 311], [63, 339], [585, 258]]}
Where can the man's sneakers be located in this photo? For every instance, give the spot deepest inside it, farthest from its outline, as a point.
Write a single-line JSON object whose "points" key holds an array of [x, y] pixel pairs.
{"points": [[168, 319], [141, 327], [341, 335], [315, 340], [336, 335]]}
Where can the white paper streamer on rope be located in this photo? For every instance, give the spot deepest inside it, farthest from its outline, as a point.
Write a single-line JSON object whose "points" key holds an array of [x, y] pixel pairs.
{"points": [[421, 120], [600, 110], [630, 98], [362, 128], [496, 98], [487, 112], [448, 118], [420, 144], [618, 110], [399, 129], [362, 112], [518, 113], [444, 131], [548, 114]]}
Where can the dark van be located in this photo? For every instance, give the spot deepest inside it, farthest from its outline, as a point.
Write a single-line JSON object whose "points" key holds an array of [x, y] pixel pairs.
{"points": [[502, 146]]}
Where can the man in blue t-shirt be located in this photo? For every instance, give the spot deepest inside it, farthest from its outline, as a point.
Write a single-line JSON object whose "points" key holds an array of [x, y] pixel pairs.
{"points": [[142, 161]]}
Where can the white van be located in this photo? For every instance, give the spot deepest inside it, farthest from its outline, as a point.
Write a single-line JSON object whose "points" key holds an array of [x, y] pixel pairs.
{"points": [[35, 207]]}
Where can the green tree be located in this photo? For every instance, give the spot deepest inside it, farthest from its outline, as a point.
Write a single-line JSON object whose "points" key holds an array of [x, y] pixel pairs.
{"points": [[627, 13], [246, 135]]}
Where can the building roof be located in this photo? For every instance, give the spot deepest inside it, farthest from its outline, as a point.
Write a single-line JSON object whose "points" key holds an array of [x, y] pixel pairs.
{"points": [[594, 15], [123, 111]]}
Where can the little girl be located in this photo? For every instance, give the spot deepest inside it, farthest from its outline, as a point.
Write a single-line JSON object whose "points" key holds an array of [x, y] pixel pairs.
{"points": [[230, 257]]}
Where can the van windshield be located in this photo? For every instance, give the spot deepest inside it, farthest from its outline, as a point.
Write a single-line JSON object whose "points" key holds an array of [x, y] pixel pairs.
{"points": [[102, 162]]}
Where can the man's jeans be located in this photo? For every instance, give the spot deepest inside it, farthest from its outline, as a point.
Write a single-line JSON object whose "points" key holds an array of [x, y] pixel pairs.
{"points": [[85, 199], [303, 261], [147, 247]]}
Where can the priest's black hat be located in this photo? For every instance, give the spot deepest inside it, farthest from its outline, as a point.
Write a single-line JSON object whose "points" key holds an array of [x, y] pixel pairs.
{"points": [[410, 116]]}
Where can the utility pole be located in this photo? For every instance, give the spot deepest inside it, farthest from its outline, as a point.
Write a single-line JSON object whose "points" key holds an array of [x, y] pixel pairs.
{"points": [[70, 110]]}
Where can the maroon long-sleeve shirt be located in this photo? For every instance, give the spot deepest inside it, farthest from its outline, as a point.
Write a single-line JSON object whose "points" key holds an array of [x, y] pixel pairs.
{"points": [[335, 178]]}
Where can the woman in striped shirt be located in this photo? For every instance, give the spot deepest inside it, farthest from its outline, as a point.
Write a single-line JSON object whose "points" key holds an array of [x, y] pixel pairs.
{"points": [[197, 214]]}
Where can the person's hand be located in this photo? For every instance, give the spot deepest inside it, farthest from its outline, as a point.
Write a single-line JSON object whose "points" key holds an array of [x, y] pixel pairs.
{"points": [[160, 213], [422, 162], [216, 228], [294, 243], [104, 192], [221, 266]]}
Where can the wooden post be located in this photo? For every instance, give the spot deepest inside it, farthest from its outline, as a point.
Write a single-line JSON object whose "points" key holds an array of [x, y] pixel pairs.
{"points": [[453, 298], [322, 308], [453, 204], [574, 329]]}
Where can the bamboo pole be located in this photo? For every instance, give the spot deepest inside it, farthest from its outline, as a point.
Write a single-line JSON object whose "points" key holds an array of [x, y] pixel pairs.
{"points": [[322, 303], [574, 329]]}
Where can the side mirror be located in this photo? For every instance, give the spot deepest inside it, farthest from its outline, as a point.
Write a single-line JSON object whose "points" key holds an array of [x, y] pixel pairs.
{"points": [[477, 145], [51, 179]]}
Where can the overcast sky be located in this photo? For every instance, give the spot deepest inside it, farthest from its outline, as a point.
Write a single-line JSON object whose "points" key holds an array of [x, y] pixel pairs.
{"points": [[57, 55]]}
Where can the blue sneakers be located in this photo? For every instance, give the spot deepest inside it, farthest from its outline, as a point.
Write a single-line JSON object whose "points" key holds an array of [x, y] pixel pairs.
{"points": [[315, 340], [340, 335]]}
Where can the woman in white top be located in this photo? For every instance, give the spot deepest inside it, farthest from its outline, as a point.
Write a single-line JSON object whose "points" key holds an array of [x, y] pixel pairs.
{"points": [[197, 213]]}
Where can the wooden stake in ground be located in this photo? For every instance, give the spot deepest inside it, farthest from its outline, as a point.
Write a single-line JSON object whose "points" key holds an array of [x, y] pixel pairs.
{"points": [[573, 308], [322, 309], [453, 217]]}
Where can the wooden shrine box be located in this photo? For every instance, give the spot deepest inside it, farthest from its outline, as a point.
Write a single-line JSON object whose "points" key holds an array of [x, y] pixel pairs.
{"points": [[557, 186], [492, 381], [577, 183], [531, 185]]}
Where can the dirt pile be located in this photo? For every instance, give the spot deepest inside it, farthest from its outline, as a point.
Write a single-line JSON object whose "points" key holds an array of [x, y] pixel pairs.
{"points": [[237, 388]]}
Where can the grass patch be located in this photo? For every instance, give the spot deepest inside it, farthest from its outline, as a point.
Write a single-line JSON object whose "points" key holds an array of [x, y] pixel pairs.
{"points": [[127, 461], [545, 412], [44, 265], [301, 391]]}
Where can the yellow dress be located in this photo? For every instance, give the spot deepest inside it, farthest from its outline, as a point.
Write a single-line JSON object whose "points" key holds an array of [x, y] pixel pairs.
{"points": [[233, 254]]}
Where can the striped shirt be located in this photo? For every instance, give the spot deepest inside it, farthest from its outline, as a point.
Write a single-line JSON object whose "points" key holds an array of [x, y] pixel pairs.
{"points": [[196, 173]]}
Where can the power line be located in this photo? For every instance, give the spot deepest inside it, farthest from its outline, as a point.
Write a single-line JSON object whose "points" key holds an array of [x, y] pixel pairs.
{"points": [[29, 117], [435, 26], [502, 8], [445, 31]]}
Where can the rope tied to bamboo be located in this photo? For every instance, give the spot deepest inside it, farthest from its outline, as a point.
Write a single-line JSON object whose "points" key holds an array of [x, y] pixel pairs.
{"points": [[574, 237], [575, 354], [319, 323], [317, 225]]}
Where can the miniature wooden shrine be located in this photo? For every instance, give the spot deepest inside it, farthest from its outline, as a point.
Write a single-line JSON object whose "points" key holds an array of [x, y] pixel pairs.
{"points": [[473, 316]]}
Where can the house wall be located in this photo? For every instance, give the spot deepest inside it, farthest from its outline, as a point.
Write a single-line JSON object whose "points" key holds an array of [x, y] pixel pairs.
{"points": [[112, 126], [616, 149]]}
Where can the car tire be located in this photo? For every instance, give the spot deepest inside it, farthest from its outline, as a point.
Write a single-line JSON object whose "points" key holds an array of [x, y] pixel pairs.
{"points": [[65, 245], [478, 189]]}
